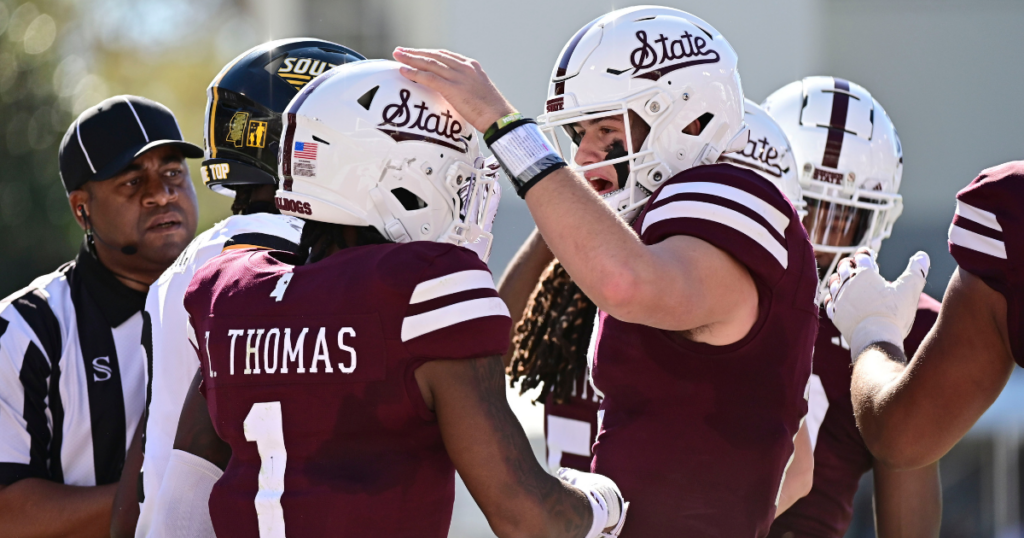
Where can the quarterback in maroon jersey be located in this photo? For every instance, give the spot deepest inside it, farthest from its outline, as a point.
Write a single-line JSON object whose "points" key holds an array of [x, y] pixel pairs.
{"points": [[912, 413], [551, 342], [707, 313], [342, 385], [846, 147]]}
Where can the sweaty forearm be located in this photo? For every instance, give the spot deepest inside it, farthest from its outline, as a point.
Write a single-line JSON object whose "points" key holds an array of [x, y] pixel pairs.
{"points": [[878, 378], [40, 508], [520, 279], [908, 504], [492, 454], [603, 255]]}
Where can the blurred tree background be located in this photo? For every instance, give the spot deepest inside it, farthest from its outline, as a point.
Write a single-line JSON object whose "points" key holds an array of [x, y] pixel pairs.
{"points": [[59, 57]]}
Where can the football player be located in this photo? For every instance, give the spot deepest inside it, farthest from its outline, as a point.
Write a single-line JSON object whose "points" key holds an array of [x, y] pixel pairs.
{"points": [[851, 165], [707, 314], [243, 123], [554, 320], [911, 412], [343, 384]]}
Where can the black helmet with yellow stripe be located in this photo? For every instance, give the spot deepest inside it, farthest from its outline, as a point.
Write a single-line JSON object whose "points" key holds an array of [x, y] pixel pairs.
{"points": [[244, 104]]}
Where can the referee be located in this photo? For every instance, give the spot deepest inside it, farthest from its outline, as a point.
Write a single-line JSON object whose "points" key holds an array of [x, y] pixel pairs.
{"points": [[72, 378]]}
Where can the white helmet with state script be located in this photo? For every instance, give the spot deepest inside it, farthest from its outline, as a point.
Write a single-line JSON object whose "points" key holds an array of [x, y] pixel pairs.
{"points": [[364, 146], [850, 162], [768, 153], [670, 69]]}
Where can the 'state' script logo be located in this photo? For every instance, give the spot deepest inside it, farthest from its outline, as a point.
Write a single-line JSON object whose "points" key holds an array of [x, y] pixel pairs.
{"points": [[759, 154], [692, 49], [424, 120]]}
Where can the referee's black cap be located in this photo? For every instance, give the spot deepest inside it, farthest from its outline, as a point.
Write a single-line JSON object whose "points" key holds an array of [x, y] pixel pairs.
{"points": [[107, 137]]}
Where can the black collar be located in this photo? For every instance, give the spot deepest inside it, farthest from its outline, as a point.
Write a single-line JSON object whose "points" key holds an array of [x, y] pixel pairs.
{"points": [[116, 301]]}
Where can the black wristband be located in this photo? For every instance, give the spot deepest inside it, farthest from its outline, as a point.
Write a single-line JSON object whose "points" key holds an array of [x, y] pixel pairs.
{"points": [[523, 152]]}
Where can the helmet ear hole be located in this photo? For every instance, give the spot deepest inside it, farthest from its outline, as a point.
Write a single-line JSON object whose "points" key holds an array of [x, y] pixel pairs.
{"points": [[409, 201], [697, 126]]}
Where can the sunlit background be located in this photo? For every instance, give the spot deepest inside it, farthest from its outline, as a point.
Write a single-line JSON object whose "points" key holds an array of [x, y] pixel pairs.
{"points": [[947, 71]]}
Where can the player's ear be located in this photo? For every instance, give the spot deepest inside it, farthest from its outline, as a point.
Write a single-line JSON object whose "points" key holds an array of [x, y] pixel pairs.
{"points": [[79, 201]]}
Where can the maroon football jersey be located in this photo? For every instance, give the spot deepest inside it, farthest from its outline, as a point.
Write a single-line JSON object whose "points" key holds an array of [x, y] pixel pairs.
{"points": [[698, 436], [308, 372], [840, 455], [570, 427], [987, 240]]}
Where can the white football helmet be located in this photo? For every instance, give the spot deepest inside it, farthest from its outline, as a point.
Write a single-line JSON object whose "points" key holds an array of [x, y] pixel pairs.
{"points": [[668, 67], [769, 154], [364, 146], [850, 163]]}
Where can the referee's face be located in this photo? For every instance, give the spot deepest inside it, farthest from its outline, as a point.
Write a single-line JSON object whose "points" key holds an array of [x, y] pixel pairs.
{"points": [[150, 205]]}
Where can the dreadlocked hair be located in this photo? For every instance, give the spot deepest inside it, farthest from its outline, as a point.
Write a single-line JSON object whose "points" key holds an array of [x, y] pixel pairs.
{"points": [[551, 341], [243, 194], [317, 237], [244, 204]]}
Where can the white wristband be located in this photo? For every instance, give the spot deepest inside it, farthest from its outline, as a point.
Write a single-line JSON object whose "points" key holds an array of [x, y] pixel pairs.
{"points": [[182, 505], [873, 330], [524, 153], [605, 500]]}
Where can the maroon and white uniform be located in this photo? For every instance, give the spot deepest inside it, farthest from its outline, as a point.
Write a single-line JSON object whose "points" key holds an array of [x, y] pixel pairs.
{"points": [[987, 240], [698, 436], [840, 455], [570, 427], [308, 372]]}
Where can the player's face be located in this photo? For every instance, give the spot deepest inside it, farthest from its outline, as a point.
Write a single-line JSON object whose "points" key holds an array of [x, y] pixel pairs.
{"points": [[832, 225], [151, 205], [597, 138]]}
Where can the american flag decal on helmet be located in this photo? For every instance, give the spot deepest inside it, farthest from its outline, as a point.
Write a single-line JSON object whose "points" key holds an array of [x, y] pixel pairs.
{"points": [[305, 150]]}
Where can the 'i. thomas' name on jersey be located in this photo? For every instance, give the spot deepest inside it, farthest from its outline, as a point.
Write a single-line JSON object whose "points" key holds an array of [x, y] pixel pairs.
{"points": [[279, 349]]}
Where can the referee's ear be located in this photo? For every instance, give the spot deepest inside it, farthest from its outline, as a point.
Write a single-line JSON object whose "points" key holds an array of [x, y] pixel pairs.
{"points": [[79, 201]]}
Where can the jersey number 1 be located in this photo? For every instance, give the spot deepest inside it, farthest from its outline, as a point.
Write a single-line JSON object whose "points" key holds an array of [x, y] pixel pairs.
{"points": [[263, 425]]}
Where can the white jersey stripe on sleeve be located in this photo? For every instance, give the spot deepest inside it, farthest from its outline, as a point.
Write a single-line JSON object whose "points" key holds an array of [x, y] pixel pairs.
{"points": [[447, 316], [982, 217], [453, 283], [722, 215], [776, 218], [976, 242]]}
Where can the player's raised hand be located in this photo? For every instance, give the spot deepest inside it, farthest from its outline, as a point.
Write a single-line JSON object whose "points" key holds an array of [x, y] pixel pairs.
{"points": [[462, 82], [867, 309]]}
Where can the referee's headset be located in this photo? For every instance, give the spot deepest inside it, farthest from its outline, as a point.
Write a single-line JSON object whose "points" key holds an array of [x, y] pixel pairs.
{"points": [[127, 250]]}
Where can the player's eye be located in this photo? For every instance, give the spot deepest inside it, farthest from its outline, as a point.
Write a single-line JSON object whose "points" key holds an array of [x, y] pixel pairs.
{"points": [[133, 181]]}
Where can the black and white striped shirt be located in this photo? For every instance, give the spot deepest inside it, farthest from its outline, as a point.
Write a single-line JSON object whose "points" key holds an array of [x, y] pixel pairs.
{"points": [[72, 375]]}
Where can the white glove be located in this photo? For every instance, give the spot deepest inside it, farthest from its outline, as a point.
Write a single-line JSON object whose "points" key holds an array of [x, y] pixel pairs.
{"points": [[605, 500], [866, 309]]}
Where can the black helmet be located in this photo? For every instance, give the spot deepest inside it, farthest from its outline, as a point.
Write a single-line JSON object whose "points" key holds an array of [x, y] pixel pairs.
{"points": [[244, 104]]}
